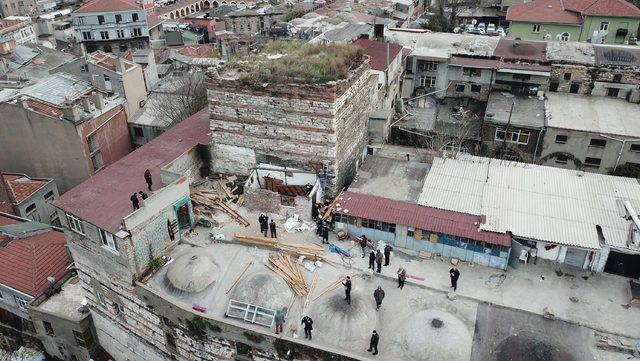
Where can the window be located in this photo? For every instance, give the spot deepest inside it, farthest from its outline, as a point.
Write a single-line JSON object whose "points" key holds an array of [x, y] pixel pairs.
{"points": [[31, 213], [604, 26], [104, 35], [471, 71], [520, 76], [100, 19], [101, 299], [575, 88], [536, 28], [427, 81], [48, 328], [565, 36], [613, 92], [137, 32], [617, 78], [517, 136], [137, 131], [634, 148], [134, 17], [108, 240], [460, 88], [120, 34], [75, 224], [567, 76], [86, 35], [97, 161], [107, 82], [553, 86], [475, 88], [21, 303], [427, 65], [410, 233], [118, 18], [93, 142], [561, 139], [84, 68], [592, 162], [81, 20], [598, 143], [562, 159], [84, 339]]}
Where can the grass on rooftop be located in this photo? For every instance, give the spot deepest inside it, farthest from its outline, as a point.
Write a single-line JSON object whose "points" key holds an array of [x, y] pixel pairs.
{"points": [[302, 63]]}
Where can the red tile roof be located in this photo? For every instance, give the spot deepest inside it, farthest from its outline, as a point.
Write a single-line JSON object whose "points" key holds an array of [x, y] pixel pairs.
{"points": [[102, 6], [6, 220], [417, 216], [25, 263], [153, 21], [103, 199], [473, 62], [196, 51], [278, 186], [543, 11], [21, 187], [521, 49], [377, 50], [615, 8]]}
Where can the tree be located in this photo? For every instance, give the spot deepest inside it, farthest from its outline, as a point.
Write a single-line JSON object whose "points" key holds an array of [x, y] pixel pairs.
{"points": [[180, 98], [438, 22], [627, 170], [293, 14]]}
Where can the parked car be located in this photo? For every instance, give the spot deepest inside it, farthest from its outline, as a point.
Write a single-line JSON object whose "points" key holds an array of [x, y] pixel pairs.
{"points": [[501, 32], [474, 31], [491, 28], [482, 26]]}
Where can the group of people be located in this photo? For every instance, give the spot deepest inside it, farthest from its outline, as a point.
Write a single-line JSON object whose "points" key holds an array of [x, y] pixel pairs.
{"points": [[265, 226], [377, 257], [322, 230], [135, 202]]}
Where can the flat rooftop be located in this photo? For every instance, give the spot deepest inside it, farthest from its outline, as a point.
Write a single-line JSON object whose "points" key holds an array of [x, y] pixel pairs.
{"points": [[592, 114], [528, 111], [571, 52], [388, 173], [439, 46], [67, 302], [534, 202], [58, 89], [112, 186]]}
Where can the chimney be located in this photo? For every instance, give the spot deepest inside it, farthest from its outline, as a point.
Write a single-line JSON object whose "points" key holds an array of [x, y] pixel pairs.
{"points": [[86, 104], [98, 100], [71, 113], [119, 64]]}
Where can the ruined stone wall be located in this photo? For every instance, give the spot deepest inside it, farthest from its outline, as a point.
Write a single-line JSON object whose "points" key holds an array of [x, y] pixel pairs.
{"points": [[580, 74], [290, 124]]}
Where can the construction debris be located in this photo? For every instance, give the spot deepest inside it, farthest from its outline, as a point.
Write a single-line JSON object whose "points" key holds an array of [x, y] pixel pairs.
{"points": [[256, 240], [331, 286], [329, 211], [214, 202], [239, 277], [290, 271], [310, 251]]}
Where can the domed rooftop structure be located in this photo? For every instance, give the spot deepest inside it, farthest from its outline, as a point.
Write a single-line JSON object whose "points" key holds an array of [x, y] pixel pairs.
{"points": [[424, 331], [331, 312], [263, 289], [192, 272]]}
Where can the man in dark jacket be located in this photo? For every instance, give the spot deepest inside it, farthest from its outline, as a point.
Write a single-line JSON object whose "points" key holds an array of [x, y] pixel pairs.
{"points": [[363, 244], [387, 254], [379, 261], [148, 179], [261, 221], [378, 294], [308, 326], [279, 319], [135, 202], [319, 227], [272, 226], [373, 344], [347, 289], [454, 274], [372, 259], [325, 234], [143, 195]]}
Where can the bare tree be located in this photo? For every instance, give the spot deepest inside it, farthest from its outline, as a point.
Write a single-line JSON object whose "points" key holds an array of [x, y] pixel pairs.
{"points": [[180, 98], [455, 135]]}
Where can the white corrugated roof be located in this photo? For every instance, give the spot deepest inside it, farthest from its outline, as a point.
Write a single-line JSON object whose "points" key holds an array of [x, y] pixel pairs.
{"points": [[535, 202]]}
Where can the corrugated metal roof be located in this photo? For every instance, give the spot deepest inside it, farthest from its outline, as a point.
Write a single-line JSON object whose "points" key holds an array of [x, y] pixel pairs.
{"points": [[542, 203], [417, 216]]}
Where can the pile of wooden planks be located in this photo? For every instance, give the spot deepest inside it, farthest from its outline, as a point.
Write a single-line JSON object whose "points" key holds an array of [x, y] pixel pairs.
{"points": [[214, 202], [310, 251], [227, 194], [332, 286], [290, 271], [255, 240]]}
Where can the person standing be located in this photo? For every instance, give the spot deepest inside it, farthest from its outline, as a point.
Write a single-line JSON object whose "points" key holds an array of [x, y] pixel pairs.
{"points": [[372, 259], [319, 227], [454, 274], [387, 254], [265, 225], [379, 261], [325, 234], [143, 195], [135, 202], [373, 344], [308, 326], [148, 179], [347, 290], [261, 221], [279, 319], [363, 244], [378, 295], [272, 227], [402, 276]]}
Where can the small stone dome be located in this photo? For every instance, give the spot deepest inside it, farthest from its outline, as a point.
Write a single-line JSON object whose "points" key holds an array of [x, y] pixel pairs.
{"points": [[263, 289], [192, 272], [331, 312]]}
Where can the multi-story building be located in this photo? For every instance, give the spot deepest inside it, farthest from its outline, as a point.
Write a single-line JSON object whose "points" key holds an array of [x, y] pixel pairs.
{"points": [[601, 21], [20, 28], [32, 197], [471, 77], [18, 8], [62, 120], [523, 66], [260, 20], [112, 26]]}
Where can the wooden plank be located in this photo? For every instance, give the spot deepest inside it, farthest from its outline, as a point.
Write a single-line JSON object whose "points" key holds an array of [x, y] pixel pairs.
{"points": [[331, 287], [311, 290], [239, 277]]}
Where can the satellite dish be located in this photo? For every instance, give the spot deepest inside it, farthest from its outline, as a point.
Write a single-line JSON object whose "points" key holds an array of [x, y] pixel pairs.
{"points": [[474, 22]]}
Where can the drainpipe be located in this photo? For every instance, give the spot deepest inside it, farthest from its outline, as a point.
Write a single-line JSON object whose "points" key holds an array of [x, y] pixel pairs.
{"points": [[624, 141], [535, 152]]}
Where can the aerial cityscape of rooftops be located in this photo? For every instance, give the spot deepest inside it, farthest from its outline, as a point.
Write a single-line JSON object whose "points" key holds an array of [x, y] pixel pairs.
{"points": [[272, 180]]}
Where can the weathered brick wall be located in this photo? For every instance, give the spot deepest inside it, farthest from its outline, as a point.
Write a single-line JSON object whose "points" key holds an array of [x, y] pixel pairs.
{"points": [[579, 74], [290, 124]]}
